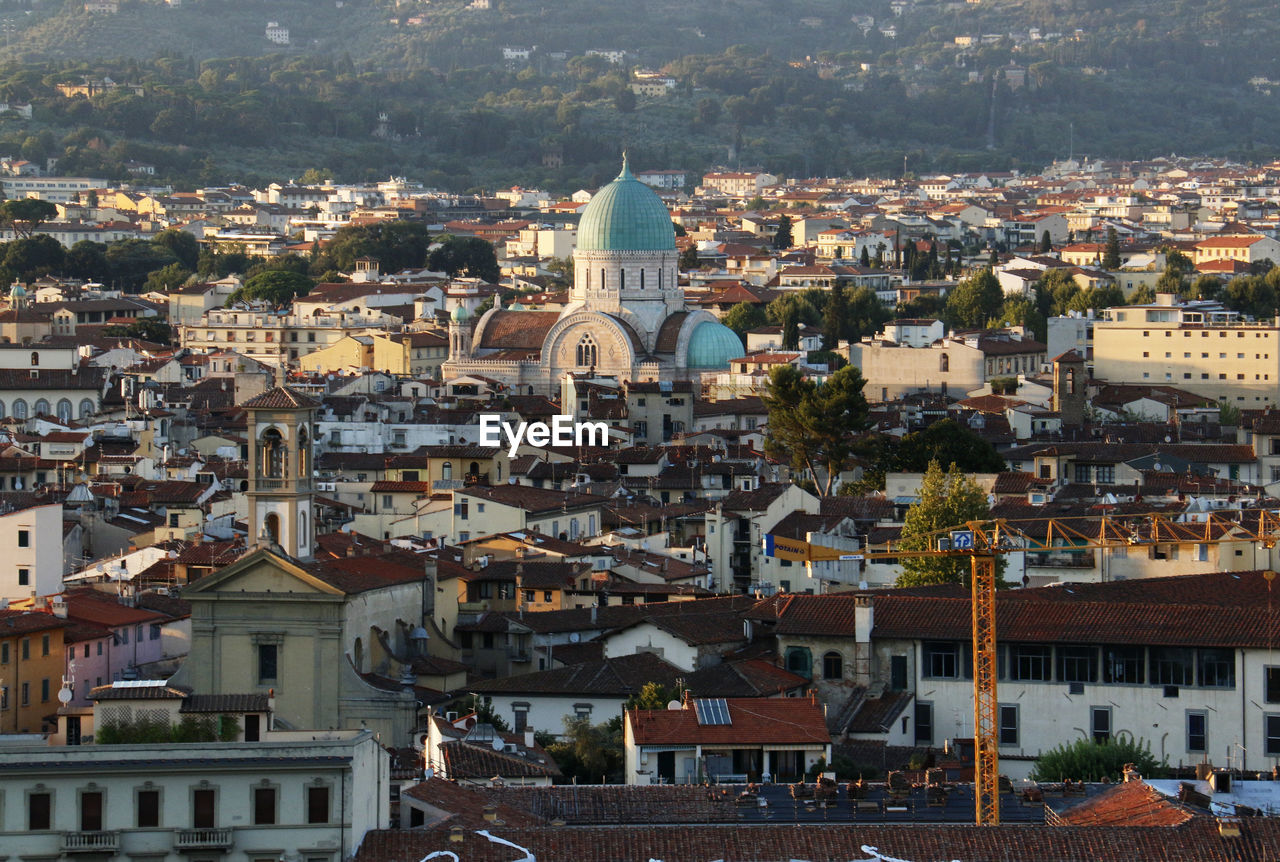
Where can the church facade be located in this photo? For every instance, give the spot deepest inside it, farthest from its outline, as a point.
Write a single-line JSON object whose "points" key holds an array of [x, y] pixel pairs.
{"points": [[626, 316]]}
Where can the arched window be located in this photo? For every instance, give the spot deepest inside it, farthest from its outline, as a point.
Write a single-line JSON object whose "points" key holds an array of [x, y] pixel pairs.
{"points": [[660, 277], [587, 353], [832, 665], [271, 455], [642, 278], [64, 410], [622, 279], [603, 283], [304, 453], [446, 470], [358, 657], [1071, 381], [35, 357], [271, 527], [944, 363], [1, 409], [800, 661], [19, 409], [303, 540], [86, 408], [42, 407]]}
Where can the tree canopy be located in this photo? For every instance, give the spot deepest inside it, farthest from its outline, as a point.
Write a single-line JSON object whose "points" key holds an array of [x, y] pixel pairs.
{"points": [[466, 255], [974, 301], [947, 442], [814, 427], [277, 287], [948, 498]]}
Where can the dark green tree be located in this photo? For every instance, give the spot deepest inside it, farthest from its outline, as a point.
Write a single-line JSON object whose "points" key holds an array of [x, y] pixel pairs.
{"points": [[25, 215], [277, 287], [689, 258], [782, 238], [865, 257], [814, 427], [1046, 242], [1111, 252], [166, 278], [87, 260], [397, 245], [29, 258], [466, 255], [744, 317], [834, 318], [947, 442], [974, 301], [132, 260], [184, 246]]}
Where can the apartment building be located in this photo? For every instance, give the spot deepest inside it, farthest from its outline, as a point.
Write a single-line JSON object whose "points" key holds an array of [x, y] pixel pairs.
{"points": [[1200, 347]]}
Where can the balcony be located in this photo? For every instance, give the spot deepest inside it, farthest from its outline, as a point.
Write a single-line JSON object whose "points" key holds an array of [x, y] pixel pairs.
{"points": [[96, 841], [202, 839]]}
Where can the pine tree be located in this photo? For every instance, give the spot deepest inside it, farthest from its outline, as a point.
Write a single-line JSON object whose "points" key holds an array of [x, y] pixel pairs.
{"points": [[782, 238], [1111, 257]]}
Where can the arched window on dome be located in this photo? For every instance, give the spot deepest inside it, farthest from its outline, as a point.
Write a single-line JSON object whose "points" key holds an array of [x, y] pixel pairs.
{"points": [[642, 278], [622, 279], [603, 283], [660, 278], [587, 352]]}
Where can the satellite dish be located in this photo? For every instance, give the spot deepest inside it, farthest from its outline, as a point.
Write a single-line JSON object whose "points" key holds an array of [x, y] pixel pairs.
{"points": [[428, 773], [64, 696], [574, 637], [673, 704], [497, 743]]}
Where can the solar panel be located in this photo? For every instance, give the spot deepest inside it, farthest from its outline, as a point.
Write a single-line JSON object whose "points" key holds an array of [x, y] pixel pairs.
{"points": [[712, 710]]}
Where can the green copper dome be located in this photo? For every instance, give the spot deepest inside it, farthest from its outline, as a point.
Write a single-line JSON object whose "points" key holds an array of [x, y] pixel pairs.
{"points": [[712, 345], [626, 215], [459, 315]]}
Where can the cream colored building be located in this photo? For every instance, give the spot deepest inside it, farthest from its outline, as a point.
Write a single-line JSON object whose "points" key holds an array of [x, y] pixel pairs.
{"points": [[954, 365], [273, 337], [299, 795], [1199, 347]]}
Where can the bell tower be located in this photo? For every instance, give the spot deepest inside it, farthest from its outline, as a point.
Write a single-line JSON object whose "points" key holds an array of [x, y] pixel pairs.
{"points": [[281, 426]]}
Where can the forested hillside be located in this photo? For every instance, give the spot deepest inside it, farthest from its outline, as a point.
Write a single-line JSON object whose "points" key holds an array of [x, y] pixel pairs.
{"points": [[367, 88]]}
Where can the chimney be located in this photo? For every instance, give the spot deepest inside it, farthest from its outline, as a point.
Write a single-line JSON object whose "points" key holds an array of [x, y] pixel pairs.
{"points": [[528, 739]]}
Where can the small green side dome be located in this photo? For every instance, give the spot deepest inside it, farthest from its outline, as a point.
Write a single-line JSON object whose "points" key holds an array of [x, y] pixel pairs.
{"points": [[712, 345], [459, 315], [17, 289], [626, 215]]}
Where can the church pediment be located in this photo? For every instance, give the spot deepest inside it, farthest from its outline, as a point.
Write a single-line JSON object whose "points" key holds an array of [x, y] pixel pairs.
{"points": [[262, 571]]}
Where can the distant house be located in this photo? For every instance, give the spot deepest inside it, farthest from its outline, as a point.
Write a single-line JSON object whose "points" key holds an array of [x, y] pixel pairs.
{"points": [[277, 34]]}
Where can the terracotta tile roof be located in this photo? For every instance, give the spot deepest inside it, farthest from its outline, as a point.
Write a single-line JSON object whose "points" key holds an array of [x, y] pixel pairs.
{"points": [[752, 720], [669, 333], [749, 678], [14, 622], [224, 703], [89, 605], [386, 486], [532, 499], [281, 397], [521, 330], [616, 677], [359, 574], [1134, 803], [469, 760], [143, 690], [1220, 610], [1195, 841]]}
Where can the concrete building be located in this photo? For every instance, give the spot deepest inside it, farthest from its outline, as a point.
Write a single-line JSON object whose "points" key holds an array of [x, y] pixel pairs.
{"points": [[301, 795], [1200, 347]]}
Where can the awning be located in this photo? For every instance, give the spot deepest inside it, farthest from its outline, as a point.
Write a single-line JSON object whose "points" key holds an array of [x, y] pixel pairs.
{"points": [[798, 746], [654, 749]]}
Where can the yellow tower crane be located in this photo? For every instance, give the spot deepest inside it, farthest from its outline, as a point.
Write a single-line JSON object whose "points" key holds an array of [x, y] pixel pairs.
{"points": [[982, 541]]}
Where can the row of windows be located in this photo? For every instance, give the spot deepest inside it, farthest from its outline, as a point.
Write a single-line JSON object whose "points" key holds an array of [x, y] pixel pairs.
{"points": [[24, 648], [1116, 665], [24, 694], [147, 809], [1205, 355], [19, 409], [1146, 333]]}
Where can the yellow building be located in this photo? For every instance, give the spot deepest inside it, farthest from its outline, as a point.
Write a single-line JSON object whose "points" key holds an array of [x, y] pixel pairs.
{"points": [[31, 667]]}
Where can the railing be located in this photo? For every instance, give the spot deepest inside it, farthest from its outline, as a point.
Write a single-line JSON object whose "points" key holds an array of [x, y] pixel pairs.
{"points": [[1082, 560], [202, 839], [96, 841], [517, 654], [302, 484]]}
